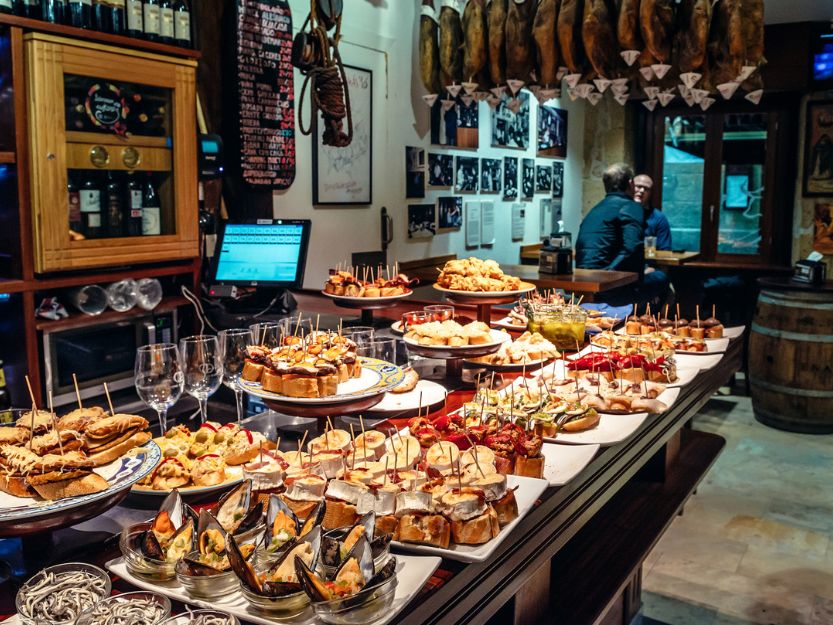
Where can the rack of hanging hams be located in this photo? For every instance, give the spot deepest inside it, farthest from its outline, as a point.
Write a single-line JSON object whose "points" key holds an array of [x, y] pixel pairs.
{"points": [[309, 365], [654, 50], [52, 458]]}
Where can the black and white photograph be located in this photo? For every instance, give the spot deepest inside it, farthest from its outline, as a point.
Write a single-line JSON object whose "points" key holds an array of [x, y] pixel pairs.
{"points": [[510, 122], [557, 211], [543, 178], [449, 213], [510, 178], [552, 132], [558, 179], [528, 179], [467, 174], [455, 123], [490, 175], [422, 221], [440, 171], [414, 172]]}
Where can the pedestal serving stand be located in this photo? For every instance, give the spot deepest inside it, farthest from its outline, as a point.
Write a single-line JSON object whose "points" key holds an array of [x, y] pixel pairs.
{"points": [[366, 304], [485, 300]]}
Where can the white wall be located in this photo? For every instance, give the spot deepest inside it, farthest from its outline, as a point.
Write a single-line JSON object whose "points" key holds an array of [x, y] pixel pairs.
{"points": [[384, 39]]}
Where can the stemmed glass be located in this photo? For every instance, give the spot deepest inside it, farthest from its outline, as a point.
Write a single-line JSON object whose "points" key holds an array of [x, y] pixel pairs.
{"points": [[233, 349], [268, 333], [159, 379], [203, 368]]}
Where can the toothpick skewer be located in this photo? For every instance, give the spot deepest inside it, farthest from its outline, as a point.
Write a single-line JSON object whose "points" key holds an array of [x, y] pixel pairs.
{"points": [[109, 401], [77, 392], [353, 437], [459, 476], [34, 410], [385, 481], [361, 422]]}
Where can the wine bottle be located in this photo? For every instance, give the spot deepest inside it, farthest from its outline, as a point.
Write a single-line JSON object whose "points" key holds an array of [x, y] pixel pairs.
{"points": [[53, 11], [151, 18], [115, 214], [166, 22], [151, 210], [90, 195], [76, 223], [116, 9], [182, 24], [6, 6], [6, 415], [28, 8], [80, 13], [102, 17], [133, 10], [133, 206]]}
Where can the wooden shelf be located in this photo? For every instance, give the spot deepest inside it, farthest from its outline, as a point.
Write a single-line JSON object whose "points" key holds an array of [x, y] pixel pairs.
{"points": [[94, 35], [62, 282], [12, 286], [7, 158], [80, 320]]}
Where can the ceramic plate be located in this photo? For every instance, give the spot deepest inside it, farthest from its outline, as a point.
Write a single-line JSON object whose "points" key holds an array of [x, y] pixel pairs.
{"points": [[463, 351], [432, 395], [121, 474], [731, 333], [412, 574], [532, 365], [701, 361], [359, 301], [612, 429], [713, 346], [685, 375], [526, 287], [563, 462], [396, 328], [508, 323], [377, 377], [528, 492], [234, 475]]}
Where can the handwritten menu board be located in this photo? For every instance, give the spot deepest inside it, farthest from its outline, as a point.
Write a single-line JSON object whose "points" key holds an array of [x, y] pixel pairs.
{"points": [[265, 92]]}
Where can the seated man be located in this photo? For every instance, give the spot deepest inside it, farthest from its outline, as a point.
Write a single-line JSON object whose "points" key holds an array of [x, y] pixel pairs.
{"points": [[611, 234], [655, 283]]}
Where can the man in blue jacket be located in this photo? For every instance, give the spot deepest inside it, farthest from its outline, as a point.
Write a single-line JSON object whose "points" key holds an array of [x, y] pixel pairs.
{"points": [[655, 283], [611, 236]]}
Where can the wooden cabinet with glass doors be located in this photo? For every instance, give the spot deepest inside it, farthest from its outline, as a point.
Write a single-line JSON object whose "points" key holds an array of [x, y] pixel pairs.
{"points": [[113, 155]]}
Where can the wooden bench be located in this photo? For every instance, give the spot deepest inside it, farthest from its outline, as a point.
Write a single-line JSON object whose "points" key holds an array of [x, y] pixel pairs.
{"points": [[425, 268]]}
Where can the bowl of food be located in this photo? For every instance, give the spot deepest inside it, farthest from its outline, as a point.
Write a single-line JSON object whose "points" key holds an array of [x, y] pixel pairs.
{"points": [[365, 606], [205, 578], [145, 557], [202, 617], [136, 608], [58, 595]]}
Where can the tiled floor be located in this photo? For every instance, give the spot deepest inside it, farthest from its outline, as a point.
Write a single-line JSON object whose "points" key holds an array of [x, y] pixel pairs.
{"points": [[755, 544]]}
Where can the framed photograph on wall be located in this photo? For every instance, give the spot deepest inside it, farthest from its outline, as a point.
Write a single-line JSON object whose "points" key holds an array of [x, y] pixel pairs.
{"points": [[455, 122], [510, 178], [510, 122], [422, 221], [543, 178], [414, 172], [818, 149], [344, 176], [450, 213], [527, 178], [558, 179], [490, 175], [440, 171], [552, 132], [468, 173]]}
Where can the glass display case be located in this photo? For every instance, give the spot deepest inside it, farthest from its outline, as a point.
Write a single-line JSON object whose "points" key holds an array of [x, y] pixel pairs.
{"points": [[113, 155]]}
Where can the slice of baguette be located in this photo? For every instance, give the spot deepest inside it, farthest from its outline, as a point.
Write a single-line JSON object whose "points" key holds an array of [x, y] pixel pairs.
{"points": [[476, 531], [75, 487], [338, 513], [105, 456], [426, 529], [16, 486]]}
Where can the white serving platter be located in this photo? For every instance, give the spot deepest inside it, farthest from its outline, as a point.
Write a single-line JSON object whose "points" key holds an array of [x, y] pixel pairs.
{"points": [[563, 462], [412, 574], [528, 491], [612, 429]]}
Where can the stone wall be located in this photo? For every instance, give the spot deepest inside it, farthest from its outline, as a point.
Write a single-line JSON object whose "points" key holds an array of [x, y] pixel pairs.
{"points": [[608, 138]]}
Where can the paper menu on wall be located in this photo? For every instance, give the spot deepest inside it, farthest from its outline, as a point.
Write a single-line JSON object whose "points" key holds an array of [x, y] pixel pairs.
{"points": [[472, 224], [487, 223], [518, 221], [546, 218]]}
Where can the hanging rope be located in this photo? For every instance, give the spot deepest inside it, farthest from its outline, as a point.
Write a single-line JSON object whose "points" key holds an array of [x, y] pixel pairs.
{"points": [[325, 75]]}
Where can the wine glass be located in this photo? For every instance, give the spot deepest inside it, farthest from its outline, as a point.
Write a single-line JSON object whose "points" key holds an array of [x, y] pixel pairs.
{"points": [[203, 368], [267, 333], [158, 377], [233, 349]]}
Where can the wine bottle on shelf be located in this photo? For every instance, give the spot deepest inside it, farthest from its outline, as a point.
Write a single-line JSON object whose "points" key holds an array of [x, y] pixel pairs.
{"points": [[114, 10], [28, 8], [76, 223], [133, 206], [151, 209], [80, 13], [166, 22], [53, 11], [151, 19], [182, 24], [6, 6], [90, 195], [101, 16], [6, 415], [133, 17], [113, 201]]}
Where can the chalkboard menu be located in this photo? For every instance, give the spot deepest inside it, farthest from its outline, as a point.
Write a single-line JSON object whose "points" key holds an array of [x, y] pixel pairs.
{"points": [[265, 93]]}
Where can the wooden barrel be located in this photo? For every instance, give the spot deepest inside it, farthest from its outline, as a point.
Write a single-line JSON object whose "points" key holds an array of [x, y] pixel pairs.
{"points": [[791, 359]]}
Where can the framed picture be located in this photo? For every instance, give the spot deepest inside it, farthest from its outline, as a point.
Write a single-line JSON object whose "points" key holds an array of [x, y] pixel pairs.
{"points": [[558, 179], [450, 213], [552, 132], [823, 228], [455, 122], [467, 174], [543, 178], [344, 176], [440, 171], [510, 122], [818, 149], [422, 221], [414, 172], [528, 179], [490, 175], [510, 178]]}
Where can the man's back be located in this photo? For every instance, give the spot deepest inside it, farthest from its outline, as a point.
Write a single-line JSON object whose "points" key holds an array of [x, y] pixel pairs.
{"points": [[611, 235]]}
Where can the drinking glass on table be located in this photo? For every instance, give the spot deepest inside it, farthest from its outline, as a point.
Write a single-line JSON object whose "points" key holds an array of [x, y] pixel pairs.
{"points": [[415, 318], [202, 365], [650, 247], [359, 334], [233, 349], [159, 379], [267, 333], [381, 349], [440, 312], [297, 325]]}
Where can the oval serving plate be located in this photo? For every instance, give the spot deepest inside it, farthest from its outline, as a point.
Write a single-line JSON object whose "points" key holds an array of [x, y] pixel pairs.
{"points": [[234, 475], [526, 287]]}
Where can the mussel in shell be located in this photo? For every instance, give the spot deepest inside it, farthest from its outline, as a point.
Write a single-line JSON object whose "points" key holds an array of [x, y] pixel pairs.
{"points": [[171, 516], [181, 543], [282, 525], [150, 546], [233, 507], [314, 519], [211, 537], [251, 520], [351, 576], [335, 544]]}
